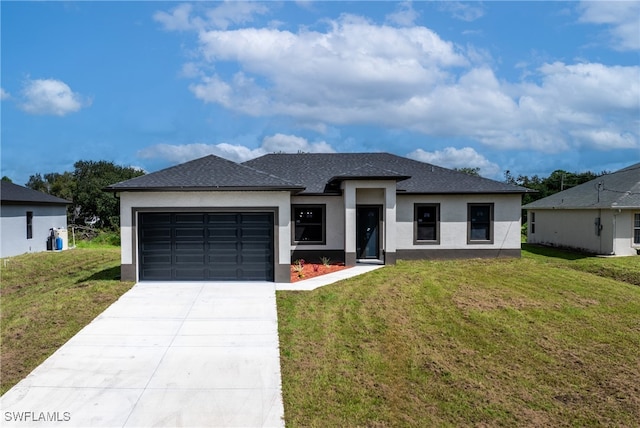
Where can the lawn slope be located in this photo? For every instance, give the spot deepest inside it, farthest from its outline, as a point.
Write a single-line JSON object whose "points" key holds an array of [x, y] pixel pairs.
{"points": [[46, 298], [537, 341]]}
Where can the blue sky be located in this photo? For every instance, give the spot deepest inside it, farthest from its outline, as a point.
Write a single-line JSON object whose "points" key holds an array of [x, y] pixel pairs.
{"points": [[529, 87]]}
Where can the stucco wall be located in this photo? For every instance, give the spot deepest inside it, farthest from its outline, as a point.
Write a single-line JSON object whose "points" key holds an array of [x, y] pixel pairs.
{"points": [[577, 229], [14, 227], [173, 201], [453, 221]]}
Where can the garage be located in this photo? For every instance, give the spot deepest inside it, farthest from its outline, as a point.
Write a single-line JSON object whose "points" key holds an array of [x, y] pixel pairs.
{"points": [[206, 246]]}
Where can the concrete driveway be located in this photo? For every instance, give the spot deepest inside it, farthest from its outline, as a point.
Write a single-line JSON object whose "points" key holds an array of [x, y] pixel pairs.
{"points": [[165, 354]]}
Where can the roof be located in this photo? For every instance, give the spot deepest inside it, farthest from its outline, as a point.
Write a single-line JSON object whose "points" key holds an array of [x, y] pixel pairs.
{"points": [[13, 194], [620, 189], [315, 171], [207, 173]]}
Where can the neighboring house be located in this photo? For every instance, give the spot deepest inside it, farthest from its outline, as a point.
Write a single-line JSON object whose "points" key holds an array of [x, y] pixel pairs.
{"points": [[27, 217], [213, 219], [601, 216]]}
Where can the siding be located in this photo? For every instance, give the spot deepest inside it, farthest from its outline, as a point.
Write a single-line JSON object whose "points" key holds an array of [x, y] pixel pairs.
{"points": [[14, 227]]}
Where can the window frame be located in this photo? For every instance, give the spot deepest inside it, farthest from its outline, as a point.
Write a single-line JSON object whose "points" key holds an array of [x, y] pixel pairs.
{"points": [[416, 225], [635, 228], [29, 224], [323, 223], [532, 223], [491, 221]]}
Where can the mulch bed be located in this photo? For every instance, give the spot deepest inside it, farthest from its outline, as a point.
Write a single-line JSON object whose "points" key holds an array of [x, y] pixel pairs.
{"points": [[311, 270]]}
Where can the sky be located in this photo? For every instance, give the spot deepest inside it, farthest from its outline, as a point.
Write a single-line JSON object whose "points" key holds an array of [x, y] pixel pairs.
{"points": [[528, 87]]}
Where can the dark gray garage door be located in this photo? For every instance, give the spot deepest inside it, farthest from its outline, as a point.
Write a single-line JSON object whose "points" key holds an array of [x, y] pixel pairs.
{"points": [[206, 246]]}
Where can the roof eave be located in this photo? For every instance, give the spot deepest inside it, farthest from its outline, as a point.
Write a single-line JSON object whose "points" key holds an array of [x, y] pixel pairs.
{"points": [[295, 189]]}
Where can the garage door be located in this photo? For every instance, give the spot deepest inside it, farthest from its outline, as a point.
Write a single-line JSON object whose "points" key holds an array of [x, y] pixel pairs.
{"points": [[206, 246]]}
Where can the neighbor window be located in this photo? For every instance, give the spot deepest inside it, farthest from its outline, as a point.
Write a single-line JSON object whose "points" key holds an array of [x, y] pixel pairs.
{"points": [[636, 228], [29, 224], [533, 222], [427, 223], [480, 223], [308, 224]]}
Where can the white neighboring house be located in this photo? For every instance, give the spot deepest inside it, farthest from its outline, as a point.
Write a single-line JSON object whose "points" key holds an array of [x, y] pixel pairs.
{"points": [[601, 216], [213, 219], [27, 216]]}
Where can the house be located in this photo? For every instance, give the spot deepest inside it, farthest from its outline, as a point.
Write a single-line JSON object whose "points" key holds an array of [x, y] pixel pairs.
{"points": [[601, 216], [213, 219], [27, 217]]}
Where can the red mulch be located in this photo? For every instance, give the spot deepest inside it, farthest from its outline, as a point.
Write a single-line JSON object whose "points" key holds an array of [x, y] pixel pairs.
{"points": [[311, 270]]}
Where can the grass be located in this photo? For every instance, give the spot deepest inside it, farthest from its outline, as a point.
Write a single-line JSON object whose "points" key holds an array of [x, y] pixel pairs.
{"points": [[551, 339], [48, 297]]}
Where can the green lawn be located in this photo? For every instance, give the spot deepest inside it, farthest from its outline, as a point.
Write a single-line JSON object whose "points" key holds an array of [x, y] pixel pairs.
{"points": [[551, 339], [48, 297]]}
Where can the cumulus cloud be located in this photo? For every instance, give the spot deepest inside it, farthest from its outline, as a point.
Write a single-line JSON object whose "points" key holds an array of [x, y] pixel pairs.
{"points": [[355, 72], [235, 152], [621, 17], [4, 95], [226, 14], [51, 97], [450, 157]]}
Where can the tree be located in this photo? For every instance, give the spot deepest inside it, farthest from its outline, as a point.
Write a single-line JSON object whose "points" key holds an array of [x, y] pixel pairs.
{"points": [[92, 204], [470, 171], [5, 178]]}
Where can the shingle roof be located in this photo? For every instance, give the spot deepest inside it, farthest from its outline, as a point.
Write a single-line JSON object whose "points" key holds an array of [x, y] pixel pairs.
{"points": [[315, 170], [12, 193], [620, 189], [210, 172]]}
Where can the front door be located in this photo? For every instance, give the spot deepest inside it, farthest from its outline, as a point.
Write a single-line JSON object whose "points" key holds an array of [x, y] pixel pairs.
{"points": [[368, 232]]}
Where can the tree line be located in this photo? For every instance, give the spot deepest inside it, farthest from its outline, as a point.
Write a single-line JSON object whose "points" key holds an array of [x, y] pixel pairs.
{"points": [[90, 206]]}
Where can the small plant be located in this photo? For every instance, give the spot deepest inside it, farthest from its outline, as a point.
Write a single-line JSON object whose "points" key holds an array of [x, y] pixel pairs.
{"points": [[325, 261], [299, 262], [299, 269], [316, 268]]}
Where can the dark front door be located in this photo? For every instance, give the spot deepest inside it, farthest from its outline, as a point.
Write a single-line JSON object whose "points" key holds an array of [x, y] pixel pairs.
{"points": [[368, 232], [227, 246]]}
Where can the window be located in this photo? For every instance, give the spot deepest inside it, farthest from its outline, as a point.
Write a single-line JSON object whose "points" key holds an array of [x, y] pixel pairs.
{"points": [[533, 222], [29, 224], [636, 228], [480, 223], [427, 223], [309, 224]]}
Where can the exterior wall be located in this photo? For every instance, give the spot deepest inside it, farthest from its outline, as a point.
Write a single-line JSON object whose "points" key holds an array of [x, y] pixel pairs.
{"points": [[14, 227], [334, 228], [453, 226], [174, 201], [577, 229]]}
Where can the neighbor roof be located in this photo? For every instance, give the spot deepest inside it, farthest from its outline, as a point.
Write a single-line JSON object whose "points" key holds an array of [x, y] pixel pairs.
{"points": [[13, 194], [620, 189], [315, 171], [207, 173]]}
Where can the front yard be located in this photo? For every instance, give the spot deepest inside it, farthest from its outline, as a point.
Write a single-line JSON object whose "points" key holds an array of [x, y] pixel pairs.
{"points": [[551, 339]]}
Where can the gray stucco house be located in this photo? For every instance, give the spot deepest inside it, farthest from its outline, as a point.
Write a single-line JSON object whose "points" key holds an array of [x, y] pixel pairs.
{"points": [[213, 219], [27, 217], [601, 216]]}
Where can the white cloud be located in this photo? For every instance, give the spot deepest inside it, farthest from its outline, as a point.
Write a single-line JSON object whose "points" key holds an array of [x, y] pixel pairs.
{"points": [[620, 16], [404, 16], [235, 152], [50, 96], [223, 16], [450, 157], [358, 72], [4, 95], [469, 11]]}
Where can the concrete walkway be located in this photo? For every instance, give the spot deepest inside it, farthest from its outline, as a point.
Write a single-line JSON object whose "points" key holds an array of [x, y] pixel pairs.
{"points": [[167, 355]]}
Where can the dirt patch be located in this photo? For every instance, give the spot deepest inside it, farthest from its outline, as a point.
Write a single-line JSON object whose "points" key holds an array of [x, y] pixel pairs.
{"points": [[312, 270], [480, 299]]}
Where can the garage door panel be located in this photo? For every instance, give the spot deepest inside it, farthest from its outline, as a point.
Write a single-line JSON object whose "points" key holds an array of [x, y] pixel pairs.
{"points": [[206, 246]]}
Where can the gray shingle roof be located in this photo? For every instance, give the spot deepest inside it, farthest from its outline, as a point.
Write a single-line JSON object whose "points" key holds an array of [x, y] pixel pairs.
{"points": [[620, 189], [13, 194], [207, 173], [315, 170]]}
